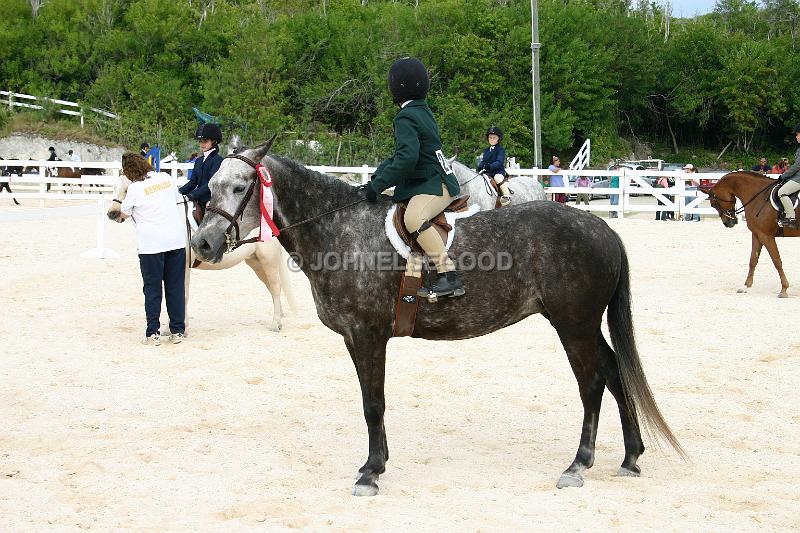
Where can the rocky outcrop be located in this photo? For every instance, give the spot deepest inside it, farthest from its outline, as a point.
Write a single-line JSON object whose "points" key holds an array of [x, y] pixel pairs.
{"points": [[26, 146]]}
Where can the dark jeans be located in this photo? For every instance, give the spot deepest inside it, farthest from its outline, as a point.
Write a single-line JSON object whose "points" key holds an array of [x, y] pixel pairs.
{"points": [[168, 268]]}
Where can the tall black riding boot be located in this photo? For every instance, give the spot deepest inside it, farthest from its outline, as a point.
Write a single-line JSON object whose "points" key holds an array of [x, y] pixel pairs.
{"points": [[446, 284]]}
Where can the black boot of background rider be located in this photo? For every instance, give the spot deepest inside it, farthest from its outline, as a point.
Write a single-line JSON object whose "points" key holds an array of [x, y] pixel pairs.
{"points": [[447, 284]]}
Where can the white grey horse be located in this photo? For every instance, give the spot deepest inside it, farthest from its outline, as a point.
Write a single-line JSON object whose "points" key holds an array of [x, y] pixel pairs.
{"points": [[525, 188], [265, 258]]}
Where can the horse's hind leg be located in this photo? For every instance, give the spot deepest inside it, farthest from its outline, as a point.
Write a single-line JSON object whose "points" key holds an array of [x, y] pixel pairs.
{"points": [[582, 353], [369, 357], [755, 253], [631, 434]]}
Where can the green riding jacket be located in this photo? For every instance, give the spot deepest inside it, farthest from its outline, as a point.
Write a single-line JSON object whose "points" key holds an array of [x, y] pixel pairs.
{"points": [[418, 165]]}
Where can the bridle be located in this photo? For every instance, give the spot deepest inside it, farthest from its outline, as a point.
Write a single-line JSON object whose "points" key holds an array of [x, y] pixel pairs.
{"points": [[725, 213], [731, 213], [231, 242], [262, 175]]}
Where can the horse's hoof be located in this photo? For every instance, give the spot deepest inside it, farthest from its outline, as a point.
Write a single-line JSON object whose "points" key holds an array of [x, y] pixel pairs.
{"points": [[569, 480], [742, 290], [626, 472], [275, 327], [783, 295], [365, 490]]}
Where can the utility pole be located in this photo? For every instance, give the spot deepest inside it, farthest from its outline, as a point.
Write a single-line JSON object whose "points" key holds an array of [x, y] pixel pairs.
{"points": [[537, 123]]}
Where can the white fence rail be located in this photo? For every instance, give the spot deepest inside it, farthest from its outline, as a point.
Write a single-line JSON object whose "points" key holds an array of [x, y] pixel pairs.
{"points": [[61, 106], [680, 198]]}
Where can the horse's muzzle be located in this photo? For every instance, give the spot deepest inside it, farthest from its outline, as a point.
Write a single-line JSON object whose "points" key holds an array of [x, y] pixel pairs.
{"points": [[208, 248]]}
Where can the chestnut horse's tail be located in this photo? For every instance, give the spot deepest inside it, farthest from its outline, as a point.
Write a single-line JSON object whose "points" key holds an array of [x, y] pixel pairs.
{"points": [[634, 383]]}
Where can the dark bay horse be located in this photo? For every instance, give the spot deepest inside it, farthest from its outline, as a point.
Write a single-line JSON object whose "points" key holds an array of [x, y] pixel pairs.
{"points": [[549, 245], [753, 190]]}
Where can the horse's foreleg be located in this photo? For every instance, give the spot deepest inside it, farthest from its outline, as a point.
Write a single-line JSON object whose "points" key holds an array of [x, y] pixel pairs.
{"points": [[269, 276], [582, 353], [369, 357], [755, 253], [774, 254]]}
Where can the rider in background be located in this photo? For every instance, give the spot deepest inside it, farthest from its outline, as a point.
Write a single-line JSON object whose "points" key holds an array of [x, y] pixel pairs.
{"points": [[196, 189], [418, 170], [493, 162], [792, 184]]}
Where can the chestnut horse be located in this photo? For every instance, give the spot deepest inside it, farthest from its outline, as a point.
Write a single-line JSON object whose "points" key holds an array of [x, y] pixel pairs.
{"points": [[753, 189]]}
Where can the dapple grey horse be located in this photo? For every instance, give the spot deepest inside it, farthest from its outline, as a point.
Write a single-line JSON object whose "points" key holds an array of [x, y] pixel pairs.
{"points": [[549, 245], [525, 188]]}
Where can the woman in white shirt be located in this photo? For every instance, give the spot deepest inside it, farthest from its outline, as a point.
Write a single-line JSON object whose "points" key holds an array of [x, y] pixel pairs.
{"points": [[150, 202]]}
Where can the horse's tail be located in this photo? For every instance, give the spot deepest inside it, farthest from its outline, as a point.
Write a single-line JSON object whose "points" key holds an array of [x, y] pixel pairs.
{"points": [[635, 388], [286, 281]]}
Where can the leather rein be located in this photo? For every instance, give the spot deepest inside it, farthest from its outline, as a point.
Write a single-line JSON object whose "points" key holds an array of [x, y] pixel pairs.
{"points": [[232, 242], [731, 213]]}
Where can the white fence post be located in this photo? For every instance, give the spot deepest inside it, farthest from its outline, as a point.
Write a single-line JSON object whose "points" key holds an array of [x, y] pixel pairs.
{"points": [[100, 251]]}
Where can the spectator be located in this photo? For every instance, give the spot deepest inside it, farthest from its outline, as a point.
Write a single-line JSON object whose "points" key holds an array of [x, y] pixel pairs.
{"points": [[781, 166], [557, 180], [582, 181], [161, 237], [663, 182], [613, 183], [691, 187], [493, 161], [143, 149], [196, 189], [762, 166]]}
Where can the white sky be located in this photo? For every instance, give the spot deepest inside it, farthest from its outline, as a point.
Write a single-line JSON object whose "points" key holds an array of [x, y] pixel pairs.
{"points": [[690, 8]]}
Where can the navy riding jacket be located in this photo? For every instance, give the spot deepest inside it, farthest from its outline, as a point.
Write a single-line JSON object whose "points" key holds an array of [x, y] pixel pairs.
{"points": [[494, 160], [197, 186]]}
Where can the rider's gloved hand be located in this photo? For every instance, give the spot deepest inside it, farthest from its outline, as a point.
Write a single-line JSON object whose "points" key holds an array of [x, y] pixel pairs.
{"points": [[372, 196]]}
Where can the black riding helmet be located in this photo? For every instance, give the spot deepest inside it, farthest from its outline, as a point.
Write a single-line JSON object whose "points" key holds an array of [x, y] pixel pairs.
{"points": [[209, 131], [796, 130], [497, 131], [408, 80]]}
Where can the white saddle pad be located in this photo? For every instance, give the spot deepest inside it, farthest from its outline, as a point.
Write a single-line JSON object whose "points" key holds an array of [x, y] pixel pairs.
{"points": [[403, 249]]}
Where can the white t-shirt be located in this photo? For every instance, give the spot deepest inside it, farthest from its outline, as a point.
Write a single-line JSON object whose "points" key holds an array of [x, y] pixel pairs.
{"points": [[152, 205]]}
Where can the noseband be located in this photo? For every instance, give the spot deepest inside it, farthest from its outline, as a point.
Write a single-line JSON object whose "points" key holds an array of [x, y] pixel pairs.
{"points": [[232, 242], [726, 213]]}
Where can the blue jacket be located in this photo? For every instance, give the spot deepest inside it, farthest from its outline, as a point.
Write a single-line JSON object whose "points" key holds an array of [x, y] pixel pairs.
{"points": [[197, 186], [494, 160]]}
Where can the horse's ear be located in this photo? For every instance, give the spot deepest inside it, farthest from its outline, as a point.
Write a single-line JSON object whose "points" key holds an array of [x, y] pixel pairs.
{"points": [[262, 149], [452, 159], [706, 189]]}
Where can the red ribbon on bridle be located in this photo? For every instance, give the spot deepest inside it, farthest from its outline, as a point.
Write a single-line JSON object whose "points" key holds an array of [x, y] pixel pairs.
{"points": [[265, 202]]}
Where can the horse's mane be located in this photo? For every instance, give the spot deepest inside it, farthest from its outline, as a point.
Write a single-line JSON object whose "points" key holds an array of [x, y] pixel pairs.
{"points": [[329, 182]]}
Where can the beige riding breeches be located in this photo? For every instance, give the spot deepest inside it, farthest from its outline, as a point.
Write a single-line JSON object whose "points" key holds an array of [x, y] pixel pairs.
{"points": [[786, 189], [422, 208], [503, 186]]}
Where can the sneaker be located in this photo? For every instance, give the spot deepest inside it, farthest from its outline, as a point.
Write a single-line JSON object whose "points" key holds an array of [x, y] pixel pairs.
{"points": [[152, 340], [177, 338]]}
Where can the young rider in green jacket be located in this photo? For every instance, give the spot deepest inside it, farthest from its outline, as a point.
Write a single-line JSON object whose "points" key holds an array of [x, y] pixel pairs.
{"points": [[418, 170]]}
